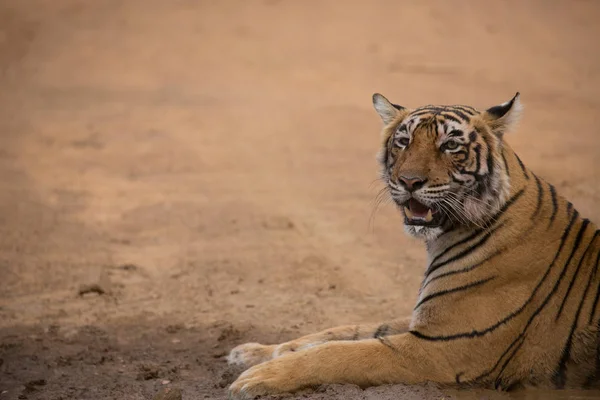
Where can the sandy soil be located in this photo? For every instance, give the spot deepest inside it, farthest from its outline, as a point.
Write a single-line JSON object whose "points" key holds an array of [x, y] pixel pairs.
{"points": [[209, 167]]}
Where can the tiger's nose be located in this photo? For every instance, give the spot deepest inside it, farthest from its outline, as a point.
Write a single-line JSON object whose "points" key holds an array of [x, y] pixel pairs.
{"points": [[412, 183]]}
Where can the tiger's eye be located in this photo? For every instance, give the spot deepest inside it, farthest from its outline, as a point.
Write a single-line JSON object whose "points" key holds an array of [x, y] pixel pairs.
{"points": [[404, 141], [450, 145]]}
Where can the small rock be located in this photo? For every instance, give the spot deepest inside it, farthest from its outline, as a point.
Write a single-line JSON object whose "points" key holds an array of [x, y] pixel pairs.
{"points": [[165, 382], [169, 394], [128, 267], [97, 282], [219, 354], [175, 341], [174, 328], [147, 372], [91, 288]]}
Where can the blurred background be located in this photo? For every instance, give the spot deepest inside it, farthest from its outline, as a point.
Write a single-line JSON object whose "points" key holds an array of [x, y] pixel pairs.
{"points": [[179, 177]]}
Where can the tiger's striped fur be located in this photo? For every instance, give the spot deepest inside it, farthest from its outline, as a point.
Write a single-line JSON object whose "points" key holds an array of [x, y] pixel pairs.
{"points": [[510, 294]]}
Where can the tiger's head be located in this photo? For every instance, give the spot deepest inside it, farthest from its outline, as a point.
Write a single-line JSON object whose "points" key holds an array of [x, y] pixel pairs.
{"points": [[444, 165]]}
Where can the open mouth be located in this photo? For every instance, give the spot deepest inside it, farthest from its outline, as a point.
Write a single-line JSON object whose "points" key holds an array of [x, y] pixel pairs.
{"points": [[416, 213]]}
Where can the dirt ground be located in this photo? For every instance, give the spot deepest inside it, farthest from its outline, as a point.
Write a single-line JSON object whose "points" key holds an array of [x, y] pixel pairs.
{"points": [[205, 172]]}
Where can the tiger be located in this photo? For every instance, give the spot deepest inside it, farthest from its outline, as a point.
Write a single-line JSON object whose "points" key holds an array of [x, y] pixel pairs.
{"points": [[510, 292]]}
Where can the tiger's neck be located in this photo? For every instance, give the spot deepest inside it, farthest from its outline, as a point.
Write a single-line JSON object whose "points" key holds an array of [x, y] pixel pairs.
{"points": [[519, 197]]}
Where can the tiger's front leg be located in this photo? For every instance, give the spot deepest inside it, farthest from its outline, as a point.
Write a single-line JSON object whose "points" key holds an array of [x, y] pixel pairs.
{"points": [[249, 354], [393, 359]]}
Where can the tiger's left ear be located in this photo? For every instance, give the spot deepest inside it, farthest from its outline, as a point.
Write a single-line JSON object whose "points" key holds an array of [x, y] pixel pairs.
{"points": [[504, 117]]}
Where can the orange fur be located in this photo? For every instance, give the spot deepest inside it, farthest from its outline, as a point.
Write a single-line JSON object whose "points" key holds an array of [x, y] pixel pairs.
{"points": [[511, 291]]}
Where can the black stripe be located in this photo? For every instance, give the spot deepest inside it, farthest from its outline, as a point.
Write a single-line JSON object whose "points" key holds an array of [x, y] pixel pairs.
{"points": [[479, 231], [463, 270], [381, 331], [424, 111], [475, 333], [428, 107], [569, 207], [574, 249], [402, 128], [554, 204], [463, 241], [469, 110], [458, 113], [522, 167], [477, 151], [597, 297], [420, 113], [505, 164], [387, 150], [560, 376], [452, 118], [489, 159], [460, 181], [593, 378], [524, 234], [538, 207], [566, 296], [498, 382], [595, 304], [546, 300], [453, 290], [501, 358], [425, 123], [457, 378], [506, 206], [455, 133], [464, 253]]}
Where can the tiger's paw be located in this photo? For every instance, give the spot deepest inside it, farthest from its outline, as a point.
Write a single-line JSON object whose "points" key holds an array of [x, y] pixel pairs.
{"points": [[279, 375], [249, 354]]}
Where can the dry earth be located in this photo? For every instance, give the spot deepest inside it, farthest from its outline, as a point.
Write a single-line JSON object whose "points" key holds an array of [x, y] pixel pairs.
{"points": [[209, 166]]}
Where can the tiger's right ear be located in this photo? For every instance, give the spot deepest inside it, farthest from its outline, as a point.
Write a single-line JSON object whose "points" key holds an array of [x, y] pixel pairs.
{"points": [[386, 110]]}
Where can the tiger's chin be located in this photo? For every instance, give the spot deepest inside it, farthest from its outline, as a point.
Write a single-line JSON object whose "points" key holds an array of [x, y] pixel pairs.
{"points": [[426, 233]]}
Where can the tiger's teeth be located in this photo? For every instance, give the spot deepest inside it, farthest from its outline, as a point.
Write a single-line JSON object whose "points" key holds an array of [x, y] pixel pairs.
{"points": [[429, 216], [408, 213]]}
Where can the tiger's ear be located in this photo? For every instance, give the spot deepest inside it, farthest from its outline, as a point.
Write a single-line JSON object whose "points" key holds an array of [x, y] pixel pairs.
{"points": [[504, 117], [386, 110]]}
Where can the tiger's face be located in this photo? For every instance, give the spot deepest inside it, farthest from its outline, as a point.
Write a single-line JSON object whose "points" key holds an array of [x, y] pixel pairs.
{"points": [[443, 165]]}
